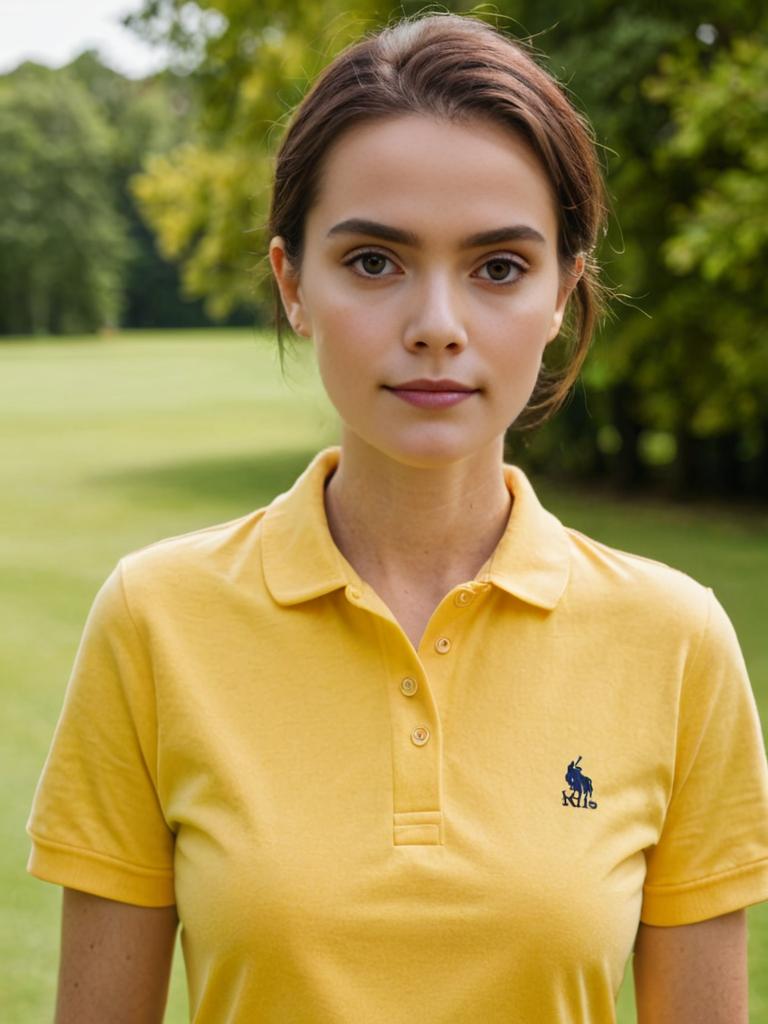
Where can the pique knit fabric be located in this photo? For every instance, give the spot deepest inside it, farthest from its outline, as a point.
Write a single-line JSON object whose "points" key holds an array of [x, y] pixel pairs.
{"points": [[354, 830]]}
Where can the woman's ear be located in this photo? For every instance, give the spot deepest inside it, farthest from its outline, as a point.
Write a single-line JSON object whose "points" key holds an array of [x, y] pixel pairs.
{"points": [[568, 281], [289, 285]]}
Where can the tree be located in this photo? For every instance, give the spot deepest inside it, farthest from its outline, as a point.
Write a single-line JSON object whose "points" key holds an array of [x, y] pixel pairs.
{"points": [[719, 239], [63, 243], [149, 117]]}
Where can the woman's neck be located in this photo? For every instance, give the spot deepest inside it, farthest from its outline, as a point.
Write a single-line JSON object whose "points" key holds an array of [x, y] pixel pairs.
{"points": [[400, 525]]}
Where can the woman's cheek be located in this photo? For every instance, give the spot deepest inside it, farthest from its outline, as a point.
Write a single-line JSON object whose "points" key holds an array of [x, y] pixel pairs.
{"points": [[352, 335], [342, 364], [530, 330]]}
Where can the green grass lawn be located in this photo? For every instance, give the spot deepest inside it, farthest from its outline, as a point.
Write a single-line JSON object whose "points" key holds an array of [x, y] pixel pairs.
{"points": [[107, 445]]}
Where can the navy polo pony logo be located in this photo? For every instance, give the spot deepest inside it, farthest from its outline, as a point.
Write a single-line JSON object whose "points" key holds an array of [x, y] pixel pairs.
{"points": [[580, 786]]}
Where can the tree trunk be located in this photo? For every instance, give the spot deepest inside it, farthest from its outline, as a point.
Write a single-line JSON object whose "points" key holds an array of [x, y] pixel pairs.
{"points": [[629, 470], [686, 470], [730, 477]]}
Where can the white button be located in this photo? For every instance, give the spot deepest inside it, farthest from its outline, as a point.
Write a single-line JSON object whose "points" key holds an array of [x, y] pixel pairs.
{"points": [[353, 594], [409, 686], [442, 645], [463, 598], [420, 736]]}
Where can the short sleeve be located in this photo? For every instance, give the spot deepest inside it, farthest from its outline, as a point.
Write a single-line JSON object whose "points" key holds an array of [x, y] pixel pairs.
{"points": [[96, 823], [712, 855]]}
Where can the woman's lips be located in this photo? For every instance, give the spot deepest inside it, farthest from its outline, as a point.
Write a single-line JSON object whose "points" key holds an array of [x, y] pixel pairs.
{"points": [[432, 395]]}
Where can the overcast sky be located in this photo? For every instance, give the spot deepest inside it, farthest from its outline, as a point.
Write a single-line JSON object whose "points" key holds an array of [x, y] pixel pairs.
{"points": [[54, 31]]}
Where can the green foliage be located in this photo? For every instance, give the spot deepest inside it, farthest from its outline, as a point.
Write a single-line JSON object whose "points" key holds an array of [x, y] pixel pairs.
{"points": [[720, 113], [75, 254], [200, 201], [718, 230], [63, 243], [149, 117]]}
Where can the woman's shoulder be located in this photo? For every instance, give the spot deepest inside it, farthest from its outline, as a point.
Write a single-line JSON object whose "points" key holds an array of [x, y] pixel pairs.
{"points": [[192, 562], [226, 547], [205, 540], [631, 586]]}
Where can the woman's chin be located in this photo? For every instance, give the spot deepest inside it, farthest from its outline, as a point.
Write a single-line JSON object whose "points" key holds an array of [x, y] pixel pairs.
{"points": [[430, 447]]}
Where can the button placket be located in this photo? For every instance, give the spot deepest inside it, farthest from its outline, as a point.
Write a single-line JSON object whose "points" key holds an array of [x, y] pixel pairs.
{"points": [[417, 750], [416, 742], [463, 597]]}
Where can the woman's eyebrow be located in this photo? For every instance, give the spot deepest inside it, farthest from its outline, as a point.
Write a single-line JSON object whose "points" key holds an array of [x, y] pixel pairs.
{"points": [[358, 226], [511, 233]]}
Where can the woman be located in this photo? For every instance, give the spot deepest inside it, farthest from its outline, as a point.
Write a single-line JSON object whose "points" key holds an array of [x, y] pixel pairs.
{"points": [[401, 746]]}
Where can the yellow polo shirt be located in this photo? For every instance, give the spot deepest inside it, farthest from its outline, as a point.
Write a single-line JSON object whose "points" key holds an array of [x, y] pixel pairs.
{"points": [[356, 831]]}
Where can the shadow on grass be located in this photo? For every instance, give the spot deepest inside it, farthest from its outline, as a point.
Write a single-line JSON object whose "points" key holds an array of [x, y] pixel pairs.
{"points": [[243, 482]]}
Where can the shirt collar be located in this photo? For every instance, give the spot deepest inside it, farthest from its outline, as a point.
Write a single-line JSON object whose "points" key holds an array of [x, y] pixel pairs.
{"points": [[301, 561], [532, 561]]}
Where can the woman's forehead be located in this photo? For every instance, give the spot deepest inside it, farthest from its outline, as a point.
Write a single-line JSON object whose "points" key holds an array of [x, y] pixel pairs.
{"points": [[417, 170]]}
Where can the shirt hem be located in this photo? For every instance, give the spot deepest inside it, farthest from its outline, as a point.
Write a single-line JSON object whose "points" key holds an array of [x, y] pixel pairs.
{"points": [[99, 874], [669, 905]]}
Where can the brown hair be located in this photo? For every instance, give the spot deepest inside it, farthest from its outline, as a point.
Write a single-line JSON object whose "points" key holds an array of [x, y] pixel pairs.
{"points": [[456, 67]]}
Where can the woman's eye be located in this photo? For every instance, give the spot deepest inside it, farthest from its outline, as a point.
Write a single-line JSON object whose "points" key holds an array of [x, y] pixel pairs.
{"points": [[502, 269], [371, 263]]}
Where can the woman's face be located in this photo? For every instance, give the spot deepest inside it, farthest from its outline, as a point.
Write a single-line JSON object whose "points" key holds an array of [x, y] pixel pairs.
{"points": [[430, 284]]}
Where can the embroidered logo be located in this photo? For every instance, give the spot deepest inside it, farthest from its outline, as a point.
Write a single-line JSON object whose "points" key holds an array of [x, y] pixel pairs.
{"points": [[580, 787]]}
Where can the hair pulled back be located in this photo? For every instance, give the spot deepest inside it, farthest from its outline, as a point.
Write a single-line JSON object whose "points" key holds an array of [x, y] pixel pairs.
{"points": [[456, 68]]}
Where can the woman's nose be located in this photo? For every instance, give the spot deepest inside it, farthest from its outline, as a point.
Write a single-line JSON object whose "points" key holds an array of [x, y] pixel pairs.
{"points": [[436, 321]]}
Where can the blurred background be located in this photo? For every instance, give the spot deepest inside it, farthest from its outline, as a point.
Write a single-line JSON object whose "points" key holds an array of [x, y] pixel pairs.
{"points": [[134, 202], [141, 394]]}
